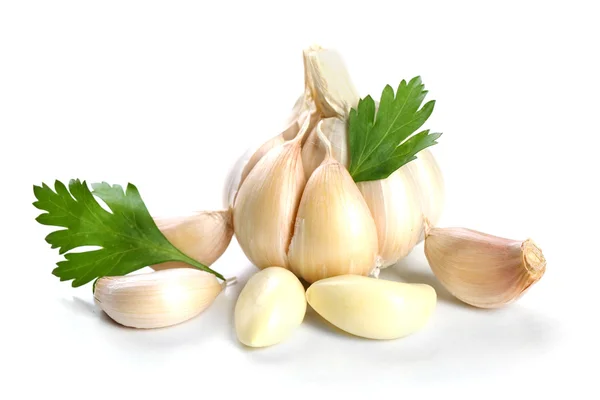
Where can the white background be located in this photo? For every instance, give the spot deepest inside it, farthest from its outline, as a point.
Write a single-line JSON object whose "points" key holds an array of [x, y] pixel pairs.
{"points": [[167, 95]]}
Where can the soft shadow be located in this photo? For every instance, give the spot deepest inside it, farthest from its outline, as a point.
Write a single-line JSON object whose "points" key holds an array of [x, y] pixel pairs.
{"points": [[199, 329], [414, 269], [317, 323], [476, 341]]}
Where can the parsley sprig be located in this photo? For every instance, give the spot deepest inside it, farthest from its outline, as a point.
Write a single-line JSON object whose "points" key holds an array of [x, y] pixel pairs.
{"points": [[128, 236], [380, 141]]}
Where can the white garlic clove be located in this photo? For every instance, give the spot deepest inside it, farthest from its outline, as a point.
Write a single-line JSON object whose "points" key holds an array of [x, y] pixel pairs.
{"points": [[156, 299], [373, 308], [328, 79], [430, 185], [313, 153], [266, 204], [483, 270], [396, 210], [203, 236], [334, 233], [269, 308]]}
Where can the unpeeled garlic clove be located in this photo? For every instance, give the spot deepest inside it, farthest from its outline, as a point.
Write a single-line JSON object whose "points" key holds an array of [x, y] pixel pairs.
{"points": [[157, 299], [334, 232], [270, 306], [373, 308], [396, 210], [483, 270], [266, 204], [262, 150], [303, 108], [429, 185], [203, 236]]}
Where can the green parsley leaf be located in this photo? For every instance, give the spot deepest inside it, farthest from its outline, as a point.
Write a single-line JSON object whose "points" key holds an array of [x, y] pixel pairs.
{"points": [[128, 236], [380, 142]]}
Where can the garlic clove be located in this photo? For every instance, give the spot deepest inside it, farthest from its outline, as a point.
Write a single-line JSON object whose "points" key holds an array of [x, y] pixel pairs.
{"points": [[373, 308], [396, 210], [203, 236], [266, 204], [328, 79], [303, 108], [313, 152], [262, 150], [270, 306], [483, 270], [429, 184], [334, 232], [156, 299]]}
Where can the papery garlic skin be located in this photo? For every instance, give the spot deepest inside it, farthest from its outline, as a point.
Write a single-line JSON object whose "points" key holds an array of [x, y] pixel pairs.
{"points": [[483, 270], [260, 153], [157, 299], [203, 236], [396, 210], [334, 232], [327, 77], [429, 185], [303, 108], [269, 308], [373, 308], [266, 204], [313, 152]]}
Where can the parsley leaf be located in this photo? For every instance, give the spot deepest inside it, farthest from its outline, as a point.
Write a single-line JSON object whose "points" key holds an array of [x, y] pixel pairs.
{"points": [[128, 237], [380, 141]]}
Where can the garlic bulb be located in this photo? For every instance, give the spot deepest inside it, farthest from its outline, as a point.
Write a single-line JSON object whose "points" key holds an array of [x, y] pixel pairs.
{"points": [[334, 232], [269, 307], [157, 299], [396, 205], [267, 201], [203, 236], [373, 308], [483, 270], [395, 208]]}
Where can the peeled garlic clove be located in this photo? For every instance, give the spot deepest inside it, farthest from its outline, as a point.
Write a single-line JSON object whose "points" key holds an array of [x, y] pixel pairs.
{"points": [[328, 79], [266, 204], [396, 210], [157, 299], [269, 307], [334, 232], [373, 308], [313, 152], [203, 236], [430, 185], [483, 270]]}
